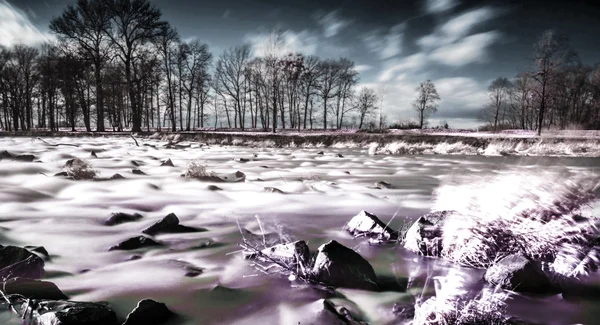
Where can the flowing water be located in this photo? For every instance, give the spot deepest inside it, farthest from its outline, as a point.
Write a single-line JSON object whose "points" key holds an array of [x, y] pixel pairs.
{"points": [[322, 193]]}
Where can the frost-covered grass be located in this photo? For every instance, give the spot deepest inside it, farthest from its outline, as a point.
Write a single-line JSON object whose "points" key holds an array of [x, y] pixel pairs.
{"points": [[197, 169], [535, 214]]}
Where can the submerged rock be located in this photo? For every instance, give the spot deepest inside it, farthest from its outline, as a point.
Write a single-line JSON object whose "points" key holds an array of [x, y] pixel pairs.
{"points": [[93, 154], [149, 312], [19, 262], [135, 243], [368, 225], [33, 289], [25, 158], [236, 177], [382, 185], [62, 174], [273, 190], [518, 273], [425, 235], [168, 163], [77, 313], [121, 217], [340, 266], [137, 172], [214, 188], [117, 176], [169, 224], [5, 155], [295, 255]]}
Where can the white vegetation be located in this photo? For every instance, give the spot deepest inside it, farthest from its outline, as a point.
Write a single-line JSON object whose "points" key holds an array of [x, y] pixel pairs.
{"points": [[197, 169], [79, 169]]}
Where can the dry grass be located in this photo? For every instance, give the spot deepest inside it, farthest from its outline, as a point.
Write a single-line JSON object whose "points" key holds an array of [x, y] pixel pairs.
{"points": [[197, 169], [79, 169]]}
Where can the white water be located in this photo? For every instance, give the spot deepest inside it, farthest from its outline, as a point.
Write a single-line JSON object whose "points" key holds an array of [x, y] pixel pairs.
{"points": [[324, 192]]}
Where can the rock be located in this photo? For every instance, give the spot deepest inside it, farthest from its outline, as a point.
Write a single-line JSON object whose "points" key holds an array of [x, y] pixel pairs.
{"points": [[135, 243], [382, 185], [168, 163], [33, 289], [77, 313], [220, 178], [339, 155], [169, 224], [242, 160], [138, 172], [135, 163], [19, 262], [368, 225], [62, 174], [93, 154], [518, 273], [296, 255], [25, 158], [120, 217], [214, 188], [74, 161], [5, 155], [273, 190], [264, 166], [39, 251], [117, 176], [320, 153], [342, 313], [425, 235], [340, 266], [149, 312]]}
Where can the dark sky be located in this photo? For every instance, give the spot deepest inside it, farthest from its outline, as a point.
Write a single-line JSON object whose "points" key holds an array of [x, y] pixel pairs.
{"points": [[459, 44]]}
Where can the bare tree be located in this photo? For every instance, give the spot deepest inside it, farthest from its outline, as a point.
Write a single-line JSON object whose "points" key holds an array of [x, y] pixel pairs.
{"points": [[427, 101], [366, 103], [499, 93]]}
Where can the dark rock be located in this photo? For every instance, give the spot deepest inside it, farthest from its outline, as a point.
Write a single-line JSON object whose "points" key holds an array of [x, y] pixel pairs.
{"points": [[169, 224], [168, 163], [368, 225], [149, 312], [74, 161], [77, 313], [39, 251], [5, 155], [135, 163], [221, 178], [117, 176], [340, 266], [62, 174], [135, 243], [135, 257], [425, 235], [19, 262], [342, 313], [214, 188], [382, 185], [25, 158], [120, 217], [264, 166], [320, 153], [339, 155], [518, 273], [242, 160], [33, 289], [273, 190], [93, 154], [295, 255], [138, 172]]}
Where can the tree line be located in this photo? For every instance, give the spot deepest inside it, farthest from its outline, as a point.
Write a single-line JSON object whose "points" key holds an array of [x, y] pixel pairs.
{"points": [[117, 65], [556, 91]]}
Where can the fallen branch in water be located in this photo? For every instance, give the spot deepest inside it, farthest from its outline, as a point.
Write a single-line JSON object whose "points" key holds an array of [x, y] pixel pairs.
{"points": [[58, 144], [136, 143]]}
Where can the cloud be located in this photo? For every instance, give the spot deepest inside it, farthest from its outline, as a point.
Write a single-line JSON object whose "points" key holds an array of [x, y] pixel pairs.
{"points": [[331, 23], [362, 67], [227, 14], [439, 6], [470, 49], [385, 44], [456, 28], [16, 28], [303, 42], [409, 64]]}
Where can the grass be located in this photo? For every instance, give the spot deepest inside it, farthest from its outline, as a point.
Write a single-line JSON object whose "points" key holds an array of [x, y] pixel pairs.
{"points": [[197, 169]]}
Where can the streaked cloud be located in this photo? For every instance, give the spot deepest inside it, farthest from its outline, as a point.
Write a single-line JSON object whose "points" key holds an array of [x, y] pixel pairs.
{"points": [[470, 49], [439, 6], [304, 42], [332, 23], [17, 28], [386, 44]]}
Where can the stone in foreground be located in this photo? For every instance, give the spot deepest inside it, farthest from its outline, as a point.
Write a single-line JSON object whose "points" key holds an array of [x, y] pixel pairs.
{"points": [[120, 217], [518, 273], [340, 266], [169, 224], [425, 235], [135, 243], [149, 312], [33, 289], [77, 313], [19, 262], [368, 225], [294, 255]]}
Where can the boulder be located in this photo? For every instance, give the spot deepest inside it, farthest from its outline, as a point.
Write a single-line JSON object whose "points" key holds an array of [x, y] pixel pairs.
{"points": [[117, 176], [519, 273], [169, 224], [5, 155], [368, 225], [135, 243], [33, 289], [340, 266], [295, 255], [19, 262], [77, 313], [138, 172], [168, 163], [273, 190], [39, 251], [425, 235], [149, 312], [120, 217]]}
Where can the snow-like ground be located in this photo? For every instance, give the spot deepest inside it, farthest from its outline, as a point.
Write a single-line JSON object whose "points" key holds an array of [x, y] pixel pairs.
{"points": [[322, 192]]}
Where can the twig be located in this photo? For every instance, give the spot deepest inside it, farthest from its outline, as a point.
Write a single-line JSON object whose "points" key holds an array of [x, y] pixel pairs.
{"points": [[136, 143], [58, 144]]}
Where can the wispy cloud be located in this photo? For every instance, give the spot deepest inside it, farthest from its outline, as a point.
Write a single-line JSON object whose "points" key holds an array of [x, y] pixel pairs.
{"points": [[331, 23], [385, 44], [468, 50], [362, 68], [304, 42], [17, 28], [439, 6]]}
